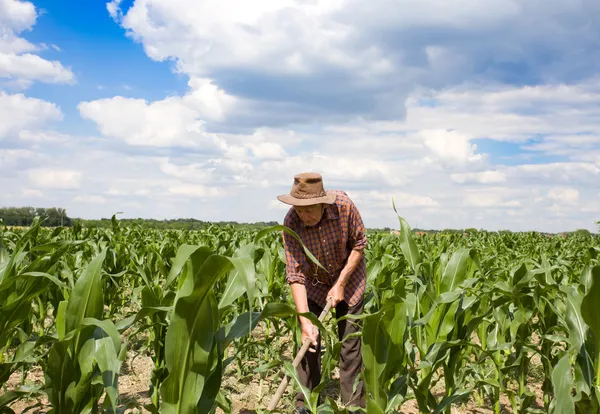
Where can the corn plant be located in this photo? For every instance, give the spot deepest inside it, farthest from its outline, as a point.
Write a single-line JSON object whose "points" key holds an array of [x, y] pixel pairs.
{"points": [[448, 318]]}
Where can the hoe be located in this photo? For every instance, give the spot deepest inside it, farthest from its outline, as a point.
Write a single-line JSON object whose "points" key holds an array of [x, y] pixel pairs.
{"points": [[295, 363]]}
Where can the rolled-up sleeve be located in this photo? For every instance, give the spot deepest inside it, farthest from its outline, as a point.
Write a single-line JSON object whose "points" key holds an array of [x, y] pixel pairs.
{"points": [[294, 257], [357, 236]]}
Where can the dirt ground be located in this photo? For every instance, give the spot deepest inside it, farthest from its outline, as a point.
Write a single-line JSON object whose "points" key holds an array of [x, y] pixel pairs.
{"points": [[248, 394]]}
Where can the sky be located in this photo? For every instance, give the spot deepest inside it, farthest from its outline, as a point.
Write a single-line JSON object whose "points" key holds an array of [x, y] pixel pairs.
{"points": [[465, 114]]}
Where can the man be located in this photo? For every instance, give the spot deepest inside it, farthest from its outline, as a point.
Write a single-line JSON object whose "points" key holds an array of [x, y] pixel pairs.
{"points": [[330, 226]]}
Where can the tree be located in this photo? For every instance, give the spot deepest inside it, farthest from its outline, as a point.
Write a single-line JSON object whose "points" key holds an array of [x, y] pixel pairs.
{"points": [[583, 232], [23, 216]]}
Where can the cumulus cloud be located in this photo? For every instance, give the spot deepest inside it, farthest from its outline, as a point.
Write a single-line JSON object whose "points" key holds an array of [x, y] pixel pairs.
{"points": [[357, 56], [200, 191], [473, 116], [18, 113], [18, 64], [484, 177], [113, 9], [32, 193], [451, 146], [383, 200], [17, 15], [42, 136], [163, 123], [568, 196], [428, 162], [55, 179], [267, 150], [173, 121], [91, 199]]}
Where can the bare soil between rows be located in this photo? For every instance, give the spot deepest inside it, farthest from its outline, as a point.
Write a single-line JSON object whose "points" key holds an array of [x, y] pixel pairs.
{"points": [[246, 394]]}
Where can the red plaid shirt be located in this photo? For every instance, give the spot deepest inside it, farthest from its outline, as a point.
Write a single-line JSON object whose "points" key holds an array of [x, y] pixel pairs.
{"points": [[331, 241]]}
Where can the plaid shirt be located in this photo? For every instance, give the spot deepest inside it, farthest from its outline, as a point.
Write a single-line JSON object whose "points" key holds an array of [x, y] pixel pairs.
{"points": [[331, 241]]}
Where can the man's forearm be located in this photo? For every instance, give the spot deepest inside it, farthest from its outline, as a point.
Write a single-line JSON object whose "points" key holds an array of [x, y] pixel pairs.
{"points": [[300, 299], [351, 264]]}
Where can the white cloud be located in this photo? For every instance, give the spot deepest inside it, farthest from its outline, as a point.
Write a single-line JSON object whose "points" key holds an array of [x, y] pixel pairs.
{"points": [[28, 192], [384, 200], [511, 113], [17, 63], [115, 192], [55, 179], [12, 155], [17, 15], [267, 150], [428, 162], [195, 190], [90, 199], [559, 172], [18, 112], [451, 146], [42, 136], [28, 68], [568, 196], [484, 177], [312, 59], [11, 45], [211, 102], [490, 198], [163, 123], [277, 87], [113, 9], [173, 121]]}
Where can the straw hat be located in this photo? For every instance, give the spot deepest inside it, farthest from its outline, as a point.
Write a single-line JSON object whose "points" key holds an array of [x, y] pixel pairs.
{"points": [[307, 190]]}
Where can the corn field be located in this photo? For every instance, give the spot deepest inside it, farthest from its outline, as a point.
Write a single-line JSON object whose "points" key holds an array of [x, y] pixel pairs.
{"points": [[509, 322]]}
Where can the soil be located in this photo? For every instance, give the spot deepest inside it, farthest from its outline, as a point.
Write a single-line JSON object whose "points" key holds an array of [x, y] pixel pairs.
{"points": [[246, 395], [250, 392]]}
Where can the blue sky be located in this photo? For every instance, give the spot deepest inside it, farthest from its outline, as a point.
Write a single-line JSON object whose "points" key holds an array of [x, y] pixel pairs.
{"points": [[475, 115], [105, 62]]}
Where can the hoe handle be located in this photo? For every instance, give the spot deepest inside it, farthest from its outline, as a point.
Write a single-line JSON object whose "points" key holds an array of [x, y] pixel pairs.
{"points": [[297, 360]]}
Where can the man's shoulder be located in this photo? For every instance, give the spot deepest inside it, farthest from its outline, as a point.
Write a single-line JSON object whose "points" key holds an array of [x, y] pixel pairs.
{"points": [[342, 198]]}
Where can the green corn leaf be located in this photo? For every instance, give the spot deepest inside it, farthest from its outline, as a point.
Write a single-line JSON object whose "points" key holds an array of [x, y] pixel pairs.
{"points": [[190, 338], [407, 243], [590, 305], [292, 233], [183, 254], [455, 271], [87, 299], [376, 344], [562, 384], [577, 326], [456, 397]]}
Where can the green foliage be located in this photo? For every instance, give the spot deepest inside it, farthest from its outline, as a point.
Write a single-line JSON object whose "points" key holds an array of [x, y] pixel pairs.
{"points": [[24, 216], [177, 224], [448, 317]]}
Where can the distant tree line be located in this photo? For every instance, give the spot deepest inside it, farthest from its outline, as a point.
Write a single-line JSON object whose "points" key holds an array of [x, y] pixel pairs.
{"points": [[55, 216], [176, 224], [24, 216]]}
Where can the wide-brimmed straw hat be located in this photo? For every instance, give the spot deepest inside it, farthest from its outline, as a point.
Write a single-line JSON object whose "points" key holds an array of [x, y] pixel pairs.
{"points": [[307, 190]]}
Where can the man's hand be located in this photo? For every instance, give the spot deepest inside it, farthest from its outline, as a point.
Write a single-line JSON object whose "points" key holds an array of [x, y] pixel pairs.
{"points": [[336, 293], [311, 332]]}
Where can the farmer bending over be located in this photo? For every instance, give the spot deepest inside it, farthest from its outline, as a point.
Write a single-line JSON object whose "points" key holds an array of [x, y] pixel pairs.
{"points": [[330, 226]]}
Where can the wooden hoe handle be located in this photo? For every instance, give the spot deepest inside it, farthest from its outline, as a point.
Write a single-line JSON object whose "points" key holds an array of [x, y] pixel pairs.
{"points": [[297, 360]]}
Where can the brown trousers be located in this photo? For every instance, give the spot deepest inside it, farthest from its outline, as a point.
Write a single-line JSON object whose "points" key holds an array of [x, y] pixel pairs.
{"points": [[351, 364]]}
